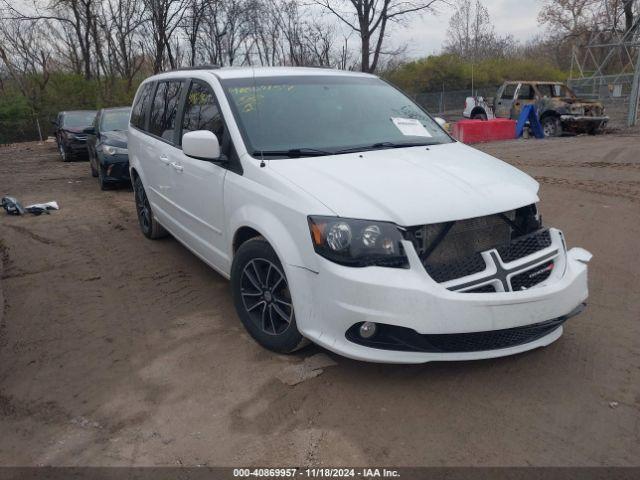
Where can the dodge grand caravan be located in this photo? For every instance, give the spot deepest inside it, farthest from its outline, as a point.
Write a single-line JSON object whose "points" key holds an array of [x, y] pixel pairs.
{"points": [[345, 215]]}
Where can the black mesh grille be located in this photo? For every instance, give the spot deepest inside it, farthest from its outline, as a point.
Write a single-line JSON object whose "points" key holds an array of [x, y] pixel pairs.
{"points": [[462, 268], [526, 245], [532, 277], [474, 263], [474, 342], [389, 337]]}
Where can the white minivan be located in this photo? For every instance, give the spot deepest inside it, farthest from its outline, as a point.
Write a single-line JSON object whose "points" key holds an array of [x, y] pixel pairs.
{"points": [[345, 215]]}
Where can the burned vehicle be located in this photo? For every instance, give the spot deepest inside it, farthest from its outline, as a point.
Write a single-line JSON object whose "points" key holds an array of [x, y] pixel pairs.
{"points": [[557, 106]]}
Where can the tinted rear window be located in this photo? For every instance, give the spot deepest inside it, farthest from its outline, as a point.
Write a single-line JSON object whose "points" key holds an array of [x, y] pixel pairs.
{"points": [[162, 121], [138, 113]]}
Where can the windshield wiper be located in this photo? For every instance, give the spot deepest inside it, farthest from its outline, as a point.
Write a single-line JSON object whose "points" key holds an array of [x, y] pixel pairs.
{"points": [[292, 153], [382, 145]]}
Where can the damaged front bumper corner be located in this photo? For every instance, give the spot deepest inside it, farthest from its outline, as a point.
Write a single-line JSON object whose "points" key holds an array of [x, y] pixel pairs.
{"points": [[584, 121], [400, 300]]}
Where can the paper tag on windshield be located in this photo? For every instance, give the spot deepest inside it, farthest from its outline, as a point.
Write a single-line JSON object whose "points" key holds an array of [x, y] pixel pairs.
{"points": [[410, 127]]}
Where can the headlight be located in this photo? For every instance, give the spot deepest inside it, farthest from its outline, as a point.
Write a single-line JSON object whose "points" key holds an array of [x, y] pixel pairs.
{"points": [[110, 150], [358, 243]]}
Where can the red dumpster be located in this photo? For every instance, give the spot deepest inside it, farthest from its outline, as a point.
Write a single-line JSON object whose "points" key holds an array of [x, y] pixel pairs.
{"points": [[475, 131]]}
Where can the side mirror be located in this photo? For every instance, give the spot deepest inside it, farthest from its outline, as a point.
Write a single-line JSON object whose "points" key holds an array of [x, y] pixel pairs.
{"points": [[201, 144], [89, 131], [440, 121]]}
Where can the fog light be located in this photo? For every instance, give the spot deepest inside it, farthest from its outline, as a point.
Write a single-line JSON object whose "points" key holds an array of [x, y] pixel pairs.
{"points": [[368, 329]]}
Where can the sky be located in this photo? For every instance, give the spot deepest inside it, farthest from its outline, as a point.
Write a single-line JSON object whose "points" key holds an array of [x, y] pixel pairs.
{"points": [[425, 35]]}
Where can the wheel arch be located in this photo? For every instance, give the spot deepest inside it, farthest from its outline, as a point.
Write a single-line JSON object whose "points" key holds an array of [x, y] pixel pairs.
{"points": [[549, 113], [281, 233], [134, 174], [242, 235], [477, 110]]}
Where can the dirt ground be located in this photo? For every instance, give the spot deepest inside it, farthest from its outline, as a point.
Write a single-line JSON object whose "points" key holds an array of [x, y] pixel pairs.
{"points": [[117, 350]]}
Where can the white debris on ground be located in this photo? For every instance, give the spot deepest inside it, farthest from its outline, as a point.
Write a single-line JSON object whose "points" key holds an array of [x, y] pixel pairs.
{"points": [[85, 422], [311, 367]]}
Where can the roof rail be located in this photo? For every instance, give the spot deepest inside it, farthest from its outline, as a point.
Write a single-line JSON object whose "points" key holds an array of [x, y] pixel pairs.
{"points": [[196, 67]]}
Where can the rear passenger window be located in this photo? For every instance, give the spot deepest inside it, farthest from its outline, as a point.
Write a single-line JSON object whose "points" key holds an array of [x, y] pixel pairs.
{"points": [[162, 121], [527, 92], [201, 111], [140, 106]]}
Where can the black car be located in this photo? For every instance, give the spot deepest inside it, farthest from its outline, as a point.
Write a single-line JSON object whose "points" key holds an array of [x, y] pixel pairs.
{"points": [[69, 132], [107, 146]]}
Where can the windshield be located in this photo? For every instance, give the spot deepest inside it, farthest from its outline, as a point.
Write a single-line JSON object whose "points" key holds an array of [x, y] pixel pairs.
{"points": [[78, 119], [316, 115], [114, 120]]}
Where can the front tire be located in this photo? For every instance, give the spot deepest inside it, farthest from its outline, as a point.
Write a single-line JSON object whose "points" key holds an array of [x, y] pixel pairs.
{"points": [[479, 116], [64, 155], [94, 171], [148, 224], [104, 185], [551, 126], [262, 298]]}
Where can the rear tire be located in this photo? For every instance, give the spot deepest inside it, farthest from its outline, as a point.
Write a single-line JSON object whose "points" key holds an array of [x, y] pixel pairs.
{"points": [[262, 298], [148, 224], [479, 116]]}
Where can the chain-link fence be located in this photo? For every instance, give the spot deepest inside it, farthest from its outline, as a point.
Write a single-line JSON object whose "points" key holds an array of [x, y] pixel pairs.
{"points": [[450, 103], [612, 90]]}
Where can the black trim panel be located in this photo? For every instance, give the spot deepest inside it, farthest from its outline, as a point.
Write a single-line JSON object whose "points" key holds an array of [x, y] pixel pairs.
{"points": [[391, 337]]}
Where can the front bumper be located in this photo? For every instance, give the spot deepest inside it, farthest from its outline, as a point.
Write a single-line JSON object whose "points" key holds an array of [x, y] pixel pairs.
{"points": [[77, 146], [328, 303], [584, 121], [115, 168]]}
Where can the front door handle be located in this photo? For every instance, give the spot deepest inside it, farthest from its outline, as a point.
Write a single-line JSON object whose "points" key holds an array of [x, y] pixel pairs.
{"points": [[177, 167], [164, 160]]}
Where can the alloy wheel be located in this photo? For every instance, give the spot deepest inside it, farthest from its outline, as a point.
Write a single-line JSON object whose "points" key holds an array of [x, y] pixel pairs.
{"points": [[549, 128], [142, 207], [265, 296]]}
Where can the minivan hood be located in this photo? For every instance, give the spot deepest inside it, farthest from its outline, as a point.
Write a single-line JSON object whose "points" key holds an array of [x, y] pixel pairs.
{"points": [[412, 186]]}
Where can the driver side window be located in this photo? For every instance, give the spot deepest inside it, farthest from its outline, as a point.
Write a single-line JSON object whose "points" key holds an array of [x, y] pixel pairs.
{"points": [[201, 111]]}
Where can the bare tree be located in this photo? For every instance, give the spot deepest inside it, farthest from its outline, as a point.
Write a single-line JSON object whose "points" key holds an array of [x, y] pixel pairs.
{"points": [[471, 35], [568, 18], [192, 23], [121, 26], [163, 18], [370, 20], [627, 6], [27, 58], [76, 17]]}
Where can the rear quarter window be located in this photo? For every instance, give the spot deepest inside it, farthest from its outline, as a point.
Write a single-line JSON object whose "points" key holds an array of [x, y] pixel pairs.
{"points": [[138, 112]]}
